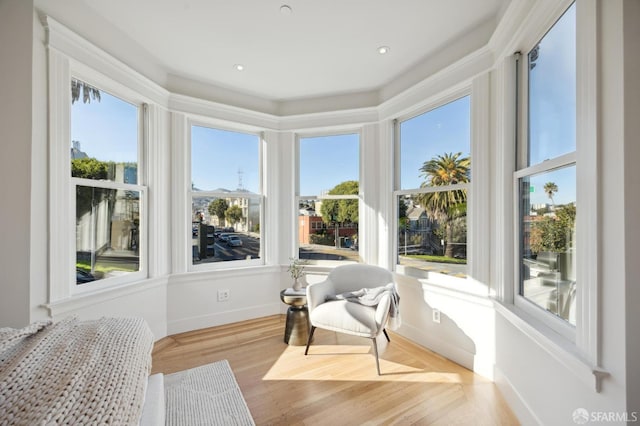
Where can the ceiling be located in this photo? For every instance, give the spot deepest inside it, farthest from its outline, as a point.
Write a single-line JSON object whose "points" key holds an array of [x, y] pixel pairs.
{"points": [[321, 48]]}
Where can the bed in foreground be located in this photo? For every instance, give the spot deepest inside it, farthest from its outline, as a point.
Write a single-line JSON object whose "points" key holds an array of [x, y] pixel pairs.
{"points": [[79, 372]]}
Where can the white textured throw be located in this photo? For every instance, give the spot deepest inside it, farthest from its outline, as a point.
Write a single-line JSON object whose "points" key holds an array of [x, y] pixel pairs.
{"points": [[206, 395], [74, 372], [371, 297]]}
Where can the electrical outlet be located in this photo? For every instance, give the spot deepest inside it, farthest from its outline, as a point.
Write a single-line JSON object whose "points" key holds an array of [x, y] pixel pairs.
{"points": [[436, 316], [223, 295]]}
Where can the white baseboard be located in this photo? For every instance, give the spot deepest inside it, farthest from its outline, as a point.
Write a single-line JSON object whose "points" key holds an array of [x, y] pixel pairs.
{"points": [[219, 318], [518, 405]]}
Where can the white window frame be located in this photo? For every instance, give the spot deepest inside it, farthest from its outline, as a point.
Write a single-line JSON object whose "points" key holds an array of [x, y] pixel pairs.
{"points": [[580, 355], [477, 92], [523, 170], [62, 184], [298, 197], [240, 263]]}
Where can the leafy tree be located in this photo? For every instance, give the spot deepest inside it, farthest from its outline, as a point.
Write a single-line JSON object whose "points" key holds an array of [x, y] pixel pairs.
{"points": [[90, 168], [341, 210], [233, 214], [542, 211], [445, 206], [554, 234], [217, 208], [550, 189], [402, 213]]}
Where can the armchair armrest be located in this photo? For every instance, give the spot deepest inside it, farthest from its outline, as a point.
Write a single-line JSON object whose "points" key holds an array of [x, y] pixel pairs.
{"points": [[382, 311], [318, 292]]}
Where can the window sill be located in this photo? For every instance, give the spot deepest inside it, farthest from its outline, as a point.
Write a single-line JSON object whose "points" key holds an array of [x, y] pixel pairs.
{"points": [[445, 282], [232, 265], [233, 271], [562, 350], [88, 298]]}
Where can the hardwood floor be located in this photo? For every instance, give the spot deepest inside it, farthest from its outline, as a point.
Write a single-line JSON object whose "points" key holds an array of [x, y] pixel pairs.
{"points": [[337, 384]]}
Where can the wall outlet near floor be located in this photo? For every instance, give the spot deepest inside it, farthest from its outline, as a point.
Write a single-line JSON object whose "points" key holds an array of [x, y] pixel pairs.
{"points": [[223, 295], [436, 316]]}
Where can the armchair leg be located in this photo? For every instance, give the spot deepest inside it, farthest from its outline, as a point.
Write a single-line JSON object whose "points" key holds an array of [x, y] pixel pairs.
{"points": [[313, 328], [384, 330], [375, 351]]}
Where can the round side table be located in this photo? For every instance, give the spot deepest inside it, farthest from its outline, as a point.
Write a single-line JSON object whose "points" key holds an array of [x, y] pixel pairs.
{"points": [[297, 327]]}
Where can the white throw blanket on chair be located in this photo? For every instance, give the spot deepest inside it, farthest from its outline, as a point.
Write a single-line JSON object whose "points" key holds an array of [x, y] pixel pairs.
{"points": [[371, 297]]}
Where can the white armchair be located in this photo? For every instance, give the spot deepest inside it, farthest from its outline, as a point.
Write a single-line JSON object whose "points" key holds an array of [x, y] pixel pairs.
{"points": [[346, 316]]}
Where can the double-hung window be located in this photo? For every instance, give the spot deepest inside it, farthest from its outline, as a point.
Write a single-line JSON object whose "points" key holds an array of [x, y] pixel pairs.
{"points": [[545, 179], [226, 197], [328, 197], [106, 174], [433, 163]]}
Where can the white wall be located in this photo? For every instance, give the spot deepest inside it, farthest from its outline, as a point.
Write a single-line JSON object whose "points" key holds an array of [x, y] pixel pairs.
{"points": [[193, 298], [466, 332], [38, 259], [632, 203], [16, 136]]}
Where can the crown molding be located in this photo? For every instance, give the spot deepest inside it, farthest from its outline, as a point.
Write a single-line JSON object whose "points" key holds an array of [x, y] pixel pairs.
{"points": [[451, 79], [77, 48]]}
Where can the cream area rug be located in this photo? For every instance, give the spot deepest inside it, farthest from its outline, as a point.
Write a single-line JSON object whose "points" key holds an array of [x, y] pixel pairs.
{"points": [[206, 395]]}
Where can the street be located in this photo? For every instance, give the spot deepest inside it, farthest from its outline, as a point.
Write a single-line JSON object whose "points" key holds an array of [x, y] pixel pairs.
{"points": [[250, 249]]}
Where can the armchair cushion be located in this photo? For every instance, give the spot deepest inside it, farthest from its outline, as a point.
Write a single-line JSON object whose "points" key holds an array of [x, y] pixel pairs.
{"points": [[341, 315]]}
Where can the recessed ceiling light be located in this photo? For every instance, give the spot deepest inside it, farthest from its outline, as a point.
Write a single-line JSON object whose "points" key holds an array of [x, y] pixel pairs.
{"points": [[383, 50], [286, 9], [238, 67]]}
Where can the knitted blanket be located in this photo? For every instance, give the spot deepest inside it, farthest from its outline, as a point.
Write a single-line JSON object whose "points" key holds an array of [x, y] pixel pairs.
{"points": [[371, 297], [74, 372]]}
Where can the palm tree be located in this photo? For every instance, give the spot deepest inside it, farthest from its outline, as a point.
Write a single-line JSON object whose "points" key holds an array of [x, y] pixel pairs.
{"points": [[550, 188], [443, 206], [88, 92]]}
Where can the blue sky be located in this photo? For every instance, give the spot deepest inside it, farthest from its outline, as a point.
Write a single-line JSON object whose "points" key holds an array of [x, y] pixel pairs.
{"points": [[565, 180], [445, 129], [217, 157], [552, 114], [106, 129], [327, 161]]}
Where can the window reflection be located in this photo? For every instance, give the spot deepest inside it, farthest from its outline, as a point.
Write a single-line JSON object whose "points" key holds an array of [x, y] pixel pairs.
{"points": [[107, 233], [548, 216]]}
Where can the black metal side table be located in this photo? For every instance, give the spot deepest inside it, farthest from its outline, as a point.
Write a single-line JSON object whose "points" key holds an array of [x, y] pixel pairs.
{"points": [[297, 326]]}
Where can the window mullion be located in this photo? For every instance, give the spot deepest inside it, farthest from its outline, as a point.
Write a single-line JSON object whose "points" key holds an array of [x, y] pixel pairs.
{"points": [[548, 165]]}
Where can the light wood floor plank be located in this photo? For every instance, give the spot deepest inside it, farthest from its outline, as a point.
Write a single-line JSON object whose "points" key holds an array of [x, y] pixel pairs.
{"points": [[337, 384]]}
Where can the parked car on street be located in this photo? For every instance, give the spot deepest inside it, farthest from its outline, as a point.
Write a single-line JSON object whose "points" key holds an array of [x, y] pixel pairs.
{"points": [[234, 241], [83, 276], [224, 237]]}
